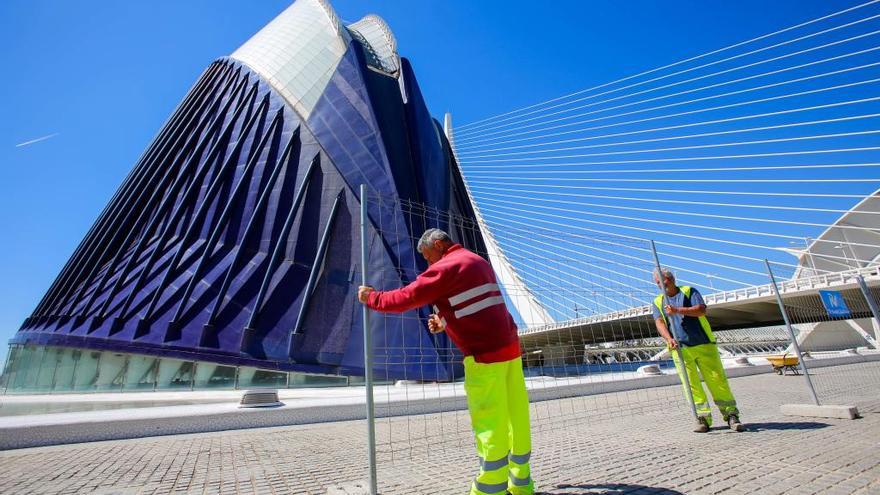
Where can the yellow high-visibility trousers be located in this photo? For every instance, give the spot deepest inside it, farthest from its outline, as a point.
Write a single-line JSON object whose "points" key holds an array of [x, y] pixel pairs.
{"points": [[706, 359], [499, 410]]}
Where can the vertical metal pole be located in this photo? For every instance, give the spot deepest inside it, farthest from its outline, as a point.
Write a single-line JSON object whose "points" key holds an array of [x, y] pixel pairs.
{"points": [[684, 374], [797, 349], [871, 304], [368, 352]]}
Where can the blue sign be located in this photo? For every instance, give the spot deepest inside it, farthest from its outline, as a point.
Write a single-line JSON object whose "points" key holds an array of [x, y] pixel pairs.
{"points": [[834, 303]]}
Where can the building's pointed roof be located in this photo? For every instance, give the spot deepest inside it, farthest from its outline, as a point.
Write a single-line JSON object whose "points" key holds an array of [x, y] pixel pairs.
{"points": [[300, 49], [379, 42]]}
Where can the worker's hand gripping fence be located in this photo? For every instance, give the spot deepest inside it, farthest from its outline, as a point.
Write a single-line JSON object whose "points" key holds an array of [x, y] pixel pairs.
{"points": [[598, 357], [836, 330]]}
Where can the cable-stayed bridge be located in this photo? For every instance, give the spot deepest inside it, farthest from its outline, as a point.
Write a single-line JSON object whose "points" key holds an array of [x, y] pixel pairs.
{"points": [[763, 149], [749, 307]]}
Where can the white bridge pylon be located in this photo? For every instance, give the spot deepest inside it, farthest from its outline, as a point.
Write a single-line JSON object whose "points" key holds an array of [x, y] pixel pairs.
{"points": [[531, 311]]}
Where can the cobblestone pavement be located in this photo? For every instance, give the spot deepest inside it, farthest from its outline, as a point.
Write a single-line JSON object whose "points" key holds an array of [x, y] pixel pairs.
{"points": [[642, 444]]}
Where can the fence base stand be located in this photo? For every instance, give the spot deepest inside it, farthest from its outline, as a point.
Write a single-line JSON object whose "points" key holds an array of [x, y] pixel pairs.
{"points": [[814, 411]]}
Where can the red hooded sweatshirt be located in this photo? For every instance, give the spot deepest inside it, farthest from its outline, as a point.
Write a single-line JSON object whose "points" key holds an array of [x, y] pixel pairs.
{"points": [[462, 287]]}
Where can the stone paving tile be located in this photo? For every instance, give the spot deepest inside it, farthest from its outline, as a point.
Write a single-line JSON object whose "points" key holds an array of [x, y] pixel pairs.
{"points": [[636, 442]]}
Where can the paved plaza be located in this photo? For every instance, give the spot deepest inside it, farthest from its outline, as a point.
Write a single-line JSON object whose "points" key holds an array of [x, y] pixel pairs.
{"points": [[643, 445]]}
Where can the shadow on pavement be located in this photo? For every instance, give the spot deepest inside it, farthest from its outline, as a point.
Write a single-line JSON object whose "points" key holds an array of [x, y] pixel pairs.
{"points": [[606, 489], [802, 425]]}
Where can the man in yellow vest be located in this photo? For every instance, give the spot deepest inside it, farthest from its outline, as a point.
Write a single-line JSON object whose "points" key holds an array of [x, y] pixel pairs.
{"points": [[681, 309]]}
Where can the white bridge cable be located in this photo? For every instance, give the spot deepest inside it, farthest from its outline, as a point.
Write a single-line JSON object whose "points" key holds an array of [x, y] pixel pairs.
{"points": [[530, 270], [584, 291], [759, 261], [531, 231], [704, 98], [685, 81], [686, 213], [692, 136], [679, 191], [692, 248], [670, 201], [674, 64], [497, 202], [499, 140], [525, 167], [527, 237], [747, 181], [693, 124], [529, 234], [574, 296], [533, 274], [552, 304], [472, 168], [706, 169], [663, 234], [693, 147]]}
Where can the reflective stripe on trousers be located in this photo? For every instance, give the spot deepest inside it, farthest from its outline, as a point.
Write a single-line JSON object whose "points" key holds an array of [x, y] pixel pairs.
{"points": [[706, 359], [499, 410]]}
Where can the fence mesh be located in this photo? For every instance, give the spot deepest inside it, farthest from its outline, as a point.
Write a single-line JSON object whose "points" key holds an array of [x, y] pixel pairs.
{"points": [[581, 303], [836, 332], [591, 352]]}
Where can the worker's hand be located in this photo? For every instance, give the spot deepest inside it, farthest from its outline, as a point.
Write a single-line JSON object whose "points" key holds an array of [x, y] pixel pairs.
{"points": [[436, 324], [672, 344], [672, 310], [364, 293]]}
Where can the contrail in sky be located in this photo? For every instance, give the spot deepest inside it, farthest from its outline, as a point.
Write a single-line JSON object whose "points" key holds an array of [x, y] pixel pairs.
{"points": [[32, 141]]}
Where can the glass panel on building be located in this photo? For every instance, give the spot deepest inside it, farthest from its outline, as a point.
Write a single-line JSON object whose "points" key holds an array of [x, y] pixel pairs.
{"points": [[175, 374], [46, 373], [65, 370], [308, 380], [29, 365], [141, 373], [111, 374], [297, 53], [255, 378], [210, 375], [10, 371], [86, 370]]}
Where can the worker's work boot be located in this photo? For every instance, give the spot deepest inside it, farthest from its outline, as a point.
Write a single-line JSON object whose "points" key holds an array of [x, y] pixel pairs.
{"points": [[734, 424], [702, 425]]}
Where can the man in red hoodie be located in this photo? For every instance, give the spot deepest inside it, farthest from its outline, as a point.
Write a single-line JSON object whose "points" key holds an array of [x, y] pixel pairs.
{"points": [[469, 307]]}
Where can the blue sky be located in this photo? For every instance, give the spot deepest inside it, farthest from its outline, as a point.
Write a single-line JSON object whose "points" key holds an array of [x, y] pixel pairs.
{"points": [[100, 77]]}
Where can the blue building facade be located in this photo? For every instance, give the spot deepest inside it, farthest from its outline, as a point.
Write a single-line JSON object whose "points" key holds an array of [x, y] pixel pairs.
{"points": [[234, 242]]}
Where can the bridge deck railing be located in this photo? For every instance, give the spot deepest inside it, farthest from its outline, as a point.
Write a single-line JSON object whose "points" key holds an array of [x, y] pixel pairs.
{"points": [[815, 282]]}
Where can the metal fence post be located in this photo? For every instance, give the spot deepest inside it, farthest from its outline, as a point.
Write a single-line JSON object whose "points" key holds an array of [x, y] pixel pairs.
{"points": [[797, 349], [684, 374], [368, 352], [871, 304]]}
